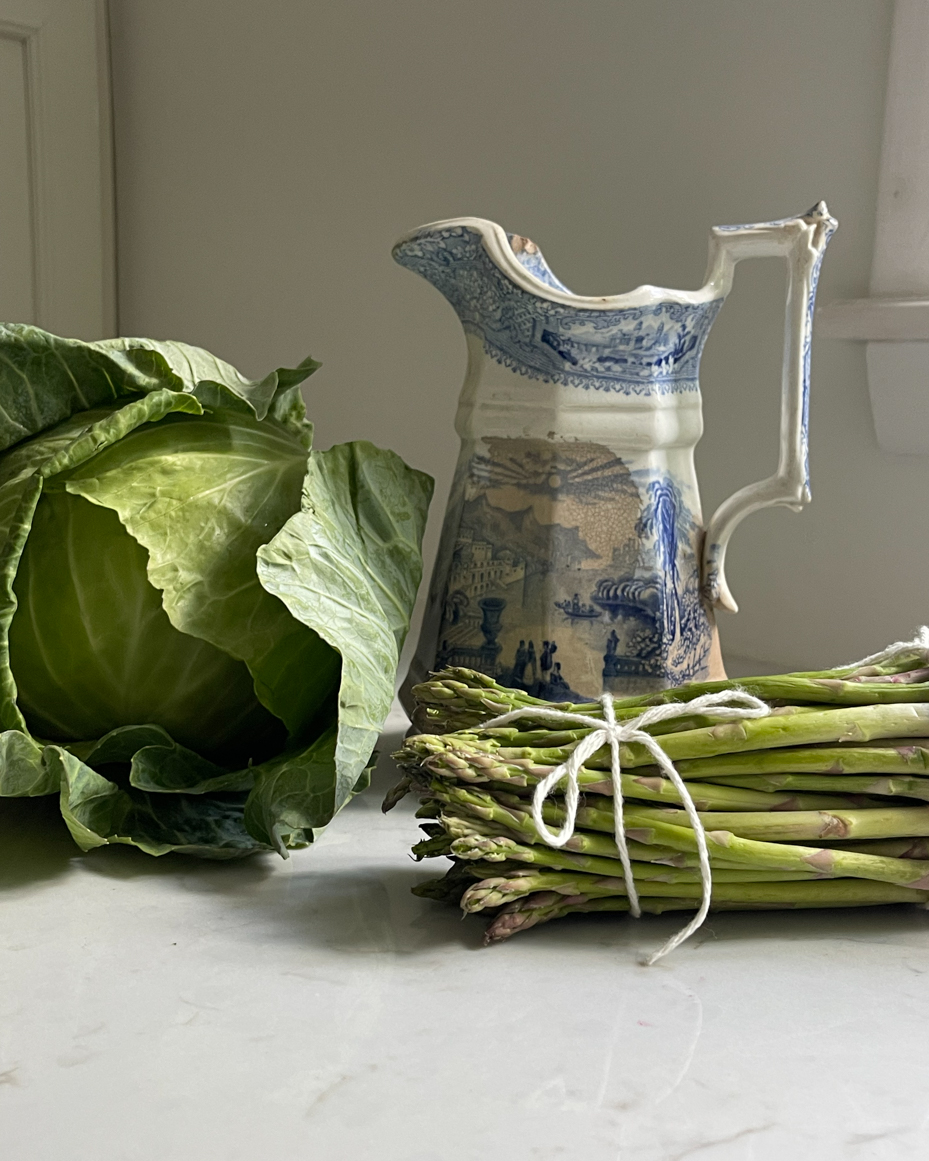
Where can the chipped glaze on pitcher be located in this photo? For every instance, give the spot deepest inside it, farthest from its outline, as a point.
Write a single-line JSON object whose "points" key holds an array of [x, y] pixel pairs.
{"points": [[574, 558]]}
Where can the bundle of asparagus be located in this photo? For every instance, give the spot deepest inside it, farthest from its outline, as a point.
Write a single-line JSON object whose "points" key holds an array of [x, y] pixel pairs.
{"points": [[822, 803]]}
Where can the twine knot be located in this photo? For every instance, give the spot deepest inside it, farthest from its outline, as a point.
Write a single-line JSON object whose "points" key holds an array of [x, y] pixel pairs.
{"points": [[608, 732]]}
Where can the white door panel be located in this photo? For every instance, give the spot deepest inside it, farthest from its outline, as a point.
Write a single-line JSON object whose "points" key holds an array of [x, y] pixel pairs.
{"points": [[56, 203]]}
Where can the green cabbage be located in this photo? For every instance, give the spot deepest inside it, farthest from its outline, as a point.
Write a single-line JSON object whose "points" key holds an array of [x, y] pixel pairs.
{"points": [[200, 616]]}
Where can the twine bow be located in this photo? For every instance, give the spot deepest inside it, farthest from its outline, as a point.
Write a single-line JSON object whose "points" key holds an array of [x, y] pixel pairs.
{"points": [[608, 732]]}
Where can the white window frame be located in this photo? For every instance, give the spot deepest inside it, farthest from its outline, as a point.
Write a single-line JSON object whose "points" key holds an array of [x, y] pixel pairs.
{"points": [[894, 319]]}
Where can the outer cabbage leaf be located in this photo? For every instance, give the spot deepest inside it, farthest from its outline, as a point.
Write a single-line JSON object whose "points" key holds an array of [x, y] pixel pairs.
{"points": [[157, 763], [99, 812], [23, 772], [173, 769], [120, 744], [296, 791], [45, 379], [196, 370], [348, 566], [208, 820]]}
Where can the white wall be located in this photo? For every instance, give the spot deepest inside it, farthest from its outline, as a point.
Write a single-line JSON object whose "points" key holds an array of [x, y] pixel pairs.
{"points": [[269, 154]]}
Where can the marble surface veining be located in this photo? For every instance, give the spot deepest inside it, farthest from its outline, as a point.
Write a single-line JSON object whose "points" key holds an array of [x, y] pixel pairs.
{"points": [[170, 1010]]}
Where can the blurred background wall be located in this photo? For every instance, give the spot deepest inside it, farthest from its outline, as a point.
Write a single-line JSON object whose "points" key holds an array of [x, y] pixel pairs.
{"points": [[268, 155]]}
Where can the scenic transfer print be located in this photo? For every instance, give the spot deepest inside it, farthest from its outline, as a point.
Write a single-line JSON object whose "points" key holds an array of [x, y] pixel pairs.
{"points": [[570, 573]]}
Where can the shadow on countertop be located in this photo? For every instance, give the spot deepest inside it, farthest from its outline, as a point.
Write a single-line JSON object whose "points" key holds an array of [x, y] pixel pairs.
{"points": [[35, 844], [341, 904], [34, 841]]}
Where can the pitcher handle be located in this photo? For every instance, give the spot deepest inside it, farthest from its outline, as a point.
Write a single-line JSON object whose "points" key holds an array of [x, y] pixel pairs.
{"points": [[802, 242]]}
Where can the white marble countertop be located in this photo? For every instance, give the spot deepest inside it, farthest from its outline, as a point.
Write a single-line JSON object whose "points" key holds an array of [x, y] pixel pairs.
{"points": [[171, 1010]]}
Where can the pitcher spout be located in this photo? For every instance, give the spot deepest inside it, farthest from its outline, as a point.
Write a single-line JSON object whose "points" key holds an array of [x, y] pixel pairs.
{"points": [[461, 255], [504, 293]]}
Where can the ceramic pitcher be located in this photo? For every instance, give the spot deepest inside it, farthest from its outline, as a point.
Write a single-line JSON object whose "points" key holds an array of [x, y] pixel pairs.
{"points": [[574, 558]]}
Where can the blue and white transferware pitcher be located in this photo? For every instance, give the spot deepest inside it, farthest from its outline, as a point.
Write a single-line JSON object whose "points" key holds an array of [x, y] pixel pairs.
{"points": [[574, 557]]}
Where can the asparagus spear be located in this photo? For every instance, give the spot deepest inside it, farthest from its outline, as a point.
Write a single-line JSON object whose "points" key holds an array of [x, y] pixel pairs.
{"points": [[491, 850], [888, 822], [898, 848], [795, 688], [523, 734], [721, 844], [865, 784], [433, 847], [449, 888], [530, 910], [772, 826], [824, 893], [479, 768], [888, 756], [858, 724], [460, 698], [476, 830], [906, 679]]}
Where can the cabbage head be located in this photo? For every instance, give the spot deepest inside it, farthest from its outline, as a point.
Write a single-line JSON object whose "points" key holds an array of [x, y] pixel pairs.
{"points": [[200, 616]]}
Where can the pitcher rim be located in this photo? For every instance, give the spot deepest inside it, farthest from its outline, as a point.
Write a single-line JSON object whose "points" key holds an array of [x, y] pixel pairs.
{"points": [[496, 244]]}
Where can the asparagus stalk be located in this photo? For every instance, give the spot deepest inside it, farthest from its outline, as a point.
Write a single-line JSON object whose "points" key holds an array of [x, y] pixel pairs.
{"points": [[455, 691], [459, 698], [888, 756], [798, 688], [898, 848], [720, 844], [768, 826], [522, 734], [484, 840], [449, 888], [479, 767], [492, 850], [823, 893], [468, 825], [784, 826], [858, 724], [433, 847], [864, 784], [835, 861], [477, 830], [530, 910]]}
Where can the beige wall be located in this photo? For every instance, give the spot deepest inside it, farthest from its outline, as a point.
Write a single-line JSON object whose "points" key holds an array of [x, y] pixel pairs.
{"points": [[269, 154]]}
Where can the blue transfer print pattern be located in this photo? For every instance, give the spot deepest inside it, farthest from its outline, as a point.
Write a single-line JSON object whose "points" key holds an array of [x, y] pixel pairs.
{"points": [[649, 350], [535, 595]]}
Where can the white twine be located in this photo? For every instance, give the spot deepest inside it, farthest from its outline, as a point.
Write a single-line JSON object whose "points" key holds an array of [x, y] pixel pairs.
{"points": [[919, 645], [608, 732]]}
